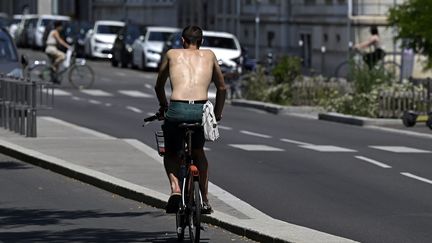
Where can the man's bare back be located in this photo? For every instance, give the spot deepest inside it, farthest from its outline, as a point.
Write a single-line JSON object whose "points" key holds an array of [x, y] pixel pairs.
{"points": [[190, 72]]}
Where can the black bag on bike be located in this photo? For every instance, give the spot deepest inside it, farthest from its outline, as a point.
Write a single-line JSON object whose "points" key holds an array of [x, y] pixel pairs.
{"points": [[372, 58]]}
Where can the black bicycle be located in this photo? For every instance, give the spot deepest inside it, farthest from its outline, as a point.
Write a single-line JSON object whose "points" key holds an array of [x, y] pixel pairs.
{"points": [[189, 213], [347, 69], [79, 73]]}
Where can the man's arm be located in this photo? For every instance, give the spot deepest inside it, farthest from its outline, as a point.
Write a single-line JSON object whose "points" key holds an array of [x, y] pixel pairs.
{"points": [[219, 82], [160, 84]]}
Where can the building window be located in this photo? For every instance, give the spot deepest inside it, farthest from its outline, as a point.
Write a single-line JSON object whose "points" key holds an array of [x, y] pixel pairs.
{"points": [[338, 38], [310, 2], [325, 38], [270, 38]]}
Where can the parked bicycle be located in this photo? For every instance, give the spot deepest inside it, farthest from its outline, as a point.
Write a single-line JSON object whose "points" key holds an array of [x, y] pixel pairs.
{"points": [[346, 70], [79, 73], [189, 213]]}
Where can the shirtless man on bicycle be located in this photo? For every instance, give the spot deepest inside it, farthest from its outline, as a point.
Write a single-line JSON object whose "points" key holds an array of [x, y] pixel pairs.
{"points": [[191, 72]]}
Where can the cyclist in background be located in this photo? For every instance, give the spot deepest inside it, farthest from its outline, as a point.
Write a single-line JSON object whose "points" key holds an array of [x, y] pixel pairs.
{"points": [[53, 40], [191, 71], [376, 52]]}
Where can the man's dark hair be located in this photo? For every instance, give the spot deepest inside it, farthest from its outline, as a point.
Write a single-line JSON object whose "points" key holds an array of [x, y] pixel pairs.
{"points": [[374, 30], [192, 35], [57, 23]]}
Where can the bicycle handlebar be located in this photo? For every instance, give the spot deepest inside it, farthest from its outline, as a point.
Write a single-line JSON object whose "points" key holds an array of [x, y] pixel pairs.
{"points": [[149, 119]]}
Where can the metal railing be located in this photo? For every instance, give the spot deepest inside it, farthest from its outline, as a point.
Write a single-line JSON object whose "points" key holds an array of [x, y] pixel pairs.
{"points": [[393, 104], [20, 99]]}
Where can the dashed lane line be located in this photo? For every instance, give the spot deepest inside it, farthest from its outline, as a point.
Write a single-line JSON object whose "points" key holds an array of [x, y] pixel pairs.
{"points": [[400, 149], [255, 147], [328, 148], [148, 86], [135, 94], [225, 128], [95, 102], [134, 109], [416, 177], [294, 141], [96, 92], [57, 92], [255, 134], [377, 163]]}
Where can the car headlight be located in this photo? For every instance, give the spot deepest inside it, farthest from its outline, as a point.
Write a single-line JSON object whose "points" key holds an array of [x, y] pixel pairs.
{"points": [[153, 52], [98, 41]]}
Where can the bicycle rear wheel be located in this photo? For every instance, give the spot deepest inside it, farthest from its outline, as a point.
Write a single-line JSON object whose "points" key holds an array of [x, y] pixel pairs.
{"points": [[81, 76], [41, 72], [195, 213]]}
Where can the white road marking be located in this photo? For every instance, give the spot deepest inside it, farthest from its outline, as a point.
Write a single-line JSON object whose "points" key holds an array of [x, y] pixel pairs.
{"points": [[121, 74], [76, 98], [211, 95], [400, 149], [377, 163], [327, 148], [134, 109], [108, 104], [417, 177], [135, 94], [106, 79], [294, 141], [255, 147], [150, 113], [57, 92], [148, 86], [96, 92], [206, 149], [225, 128], [255, 134], [95, 102]]}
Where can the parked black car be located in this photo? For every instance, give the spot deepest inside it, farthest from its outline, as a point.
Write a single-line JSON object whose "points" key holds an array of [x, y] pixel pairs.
{"points": [[9, 61], [122, 48]]}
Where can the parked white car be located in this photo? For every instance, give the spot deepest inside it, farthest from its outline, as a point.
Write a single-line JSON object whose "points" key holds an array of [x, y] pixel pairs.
{"points": [[42, 23], [99, 40], [226, 48], [15, 22], [147, 49]]}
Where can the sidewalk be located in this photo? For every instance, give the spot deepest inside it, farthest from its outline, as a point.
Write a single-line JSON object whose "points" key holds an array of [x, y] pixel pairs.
{"points": [[132, 169]]}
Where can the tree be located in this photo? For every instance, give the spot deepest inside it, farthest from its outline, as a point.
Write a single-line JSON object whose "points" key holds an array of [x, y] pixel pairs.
{"points": [[413, 19]]}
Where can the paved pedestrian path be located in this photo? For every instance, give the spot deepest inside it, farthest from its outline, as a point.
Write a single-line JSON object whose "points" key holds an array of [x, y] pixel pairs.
{"points": [[132, 169]]}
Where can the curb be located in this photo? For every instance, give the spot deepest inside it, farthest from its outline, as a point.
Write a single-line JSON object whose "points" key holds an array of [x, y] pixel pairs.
{"points": [[120, 187], [276, 109], [356, 120]]}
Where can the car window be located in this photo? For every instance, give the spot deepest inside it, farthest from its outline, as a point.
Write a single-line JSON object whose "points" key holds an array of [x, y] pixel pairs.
{"points": [[219, 42], [108, 29], [159, 36], [7, 49]]}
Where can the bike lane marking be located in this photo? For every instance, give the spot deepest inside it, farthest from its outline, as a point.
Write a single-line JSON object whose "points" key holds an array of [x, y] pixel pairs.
{"points": [[328, 148], [134, 109], [256, 147], [400, 149], [255, 134], [416, 177], [135, 94], [96, 92], [377, 163]]}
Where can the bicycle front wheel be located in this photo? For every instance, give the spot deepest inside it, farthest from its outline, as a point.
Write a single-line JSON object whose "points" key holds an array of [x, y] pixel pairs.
{"points": [[41, 73], [81, 76], [195, 214], [345, 71]]}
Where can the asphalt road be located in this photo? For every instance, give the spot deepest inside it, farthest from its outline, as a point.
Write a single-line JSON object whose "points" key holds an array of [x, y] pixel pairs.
{"points": [[37, 205], [360, 183]]}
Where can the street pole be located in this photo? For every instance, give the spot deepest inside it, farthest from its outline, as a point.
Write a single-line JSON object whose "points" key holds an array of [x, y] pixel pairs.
{"points": [[257, 21], [349, 16]]}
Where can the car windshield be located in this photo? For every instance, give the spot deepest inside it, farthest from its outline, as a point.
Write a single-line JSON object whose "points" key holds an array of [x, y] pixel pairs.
{"points": [[219, 42], [108, 29], [7, 50], [159, 36]]}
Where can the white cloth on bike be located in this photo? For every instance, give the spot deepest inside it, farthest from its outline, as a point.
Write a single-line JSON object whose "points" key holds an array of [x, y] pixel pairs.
{"points": [[67, 60], [211, 132]]}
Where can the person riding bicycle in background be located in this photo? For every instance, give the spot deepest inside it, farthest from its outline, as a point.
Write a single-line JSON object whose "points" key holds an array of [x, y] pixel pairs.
{"points": [[191, 71], [376, 52], [53, 40]]}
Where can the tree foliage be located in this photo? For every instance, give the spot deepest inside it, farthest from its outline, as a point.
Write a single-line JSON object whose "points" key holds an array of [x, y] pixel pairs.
{"points": [[413, 19]]}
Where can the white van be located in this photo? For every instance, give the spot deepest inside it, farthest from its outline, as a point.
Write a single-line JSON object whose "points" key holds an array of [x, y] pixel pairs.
{"points": [[225, 46], [100, 40], [42, 22], [147, 49]]}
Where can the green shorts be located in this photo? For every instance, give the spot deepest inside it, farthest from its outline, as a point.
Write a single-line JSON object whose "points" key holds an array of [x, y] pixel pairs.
{"points": [[177, 113]]}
